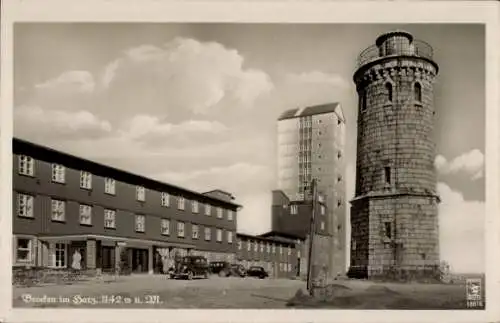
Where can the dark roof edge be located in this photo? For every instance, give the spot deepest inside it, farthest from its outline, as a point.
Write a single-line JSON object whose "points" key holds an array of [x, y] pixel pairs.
{"points": [[157, 182], [265, 238]]}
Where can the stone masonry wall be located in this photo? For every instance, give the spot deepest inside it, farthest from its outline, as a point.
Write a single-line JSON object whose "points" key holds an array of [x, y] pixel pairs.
{"points": [[397, 133], [414, 241]]}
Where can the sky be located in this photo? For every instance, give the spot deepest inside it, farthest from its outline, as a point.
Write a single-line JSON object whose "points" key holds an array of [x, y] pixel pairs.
{"points": [[196, 105]]}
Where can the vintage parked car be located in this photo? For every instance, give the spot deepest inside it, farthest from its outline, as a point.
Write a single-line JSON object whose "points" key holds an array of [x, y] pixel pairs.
{"points": [[238, 270], [257, 271], [191, 267], [221, 268]]}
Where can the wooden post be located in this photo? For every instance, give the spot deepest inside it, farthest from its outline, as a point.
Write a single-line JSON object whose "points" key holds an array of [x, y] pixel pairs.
{"points": [[312, 230]]}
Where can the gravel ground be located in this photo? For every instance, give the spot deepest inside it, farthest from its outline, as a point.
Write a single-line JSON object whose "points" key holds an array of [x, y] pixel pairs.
{"points": [[159, 292]]}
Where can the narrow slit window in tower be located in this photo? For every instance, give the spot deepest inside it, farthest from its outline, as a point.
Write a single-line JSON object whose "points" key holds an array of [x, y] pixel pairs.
{"points": [[388, 230], [362, 101], [418, 92], [387, 173], [388, 87]]}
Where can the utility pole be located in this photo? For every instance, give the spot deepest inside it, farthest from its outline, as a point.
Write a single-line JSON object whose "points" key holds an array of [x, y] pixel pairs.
{"points": [[311, 236]]}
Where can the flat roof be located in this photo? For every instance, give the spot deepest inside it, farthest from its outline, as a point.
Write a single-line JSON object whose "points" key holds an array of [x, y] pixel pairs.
{"points": [[21, 146], [313, 110]]}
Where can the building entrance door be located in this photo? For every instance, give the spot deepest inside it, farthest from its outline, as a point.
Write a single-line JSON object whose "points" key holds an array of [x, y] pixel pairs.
{"points": [[108, 258], [140, 260]]}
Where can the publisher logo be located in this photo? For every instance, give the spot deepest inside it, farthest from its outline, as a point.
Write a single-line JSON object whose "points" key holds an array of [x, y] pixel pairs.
{"points": [[474, 293]]}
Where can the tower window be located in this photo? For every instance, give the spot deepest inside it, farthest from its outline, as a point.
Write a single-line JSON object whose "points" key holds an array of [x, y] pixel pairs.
{"points": [[362, 101], [417, 89], [387, 173], [388, 87], [388, 230]]}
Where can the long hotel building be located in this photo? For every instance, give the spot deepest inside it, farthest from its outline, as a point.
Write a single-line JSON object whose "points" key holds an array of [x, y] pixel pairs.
{"points": [[311, 144], [63, 203]]}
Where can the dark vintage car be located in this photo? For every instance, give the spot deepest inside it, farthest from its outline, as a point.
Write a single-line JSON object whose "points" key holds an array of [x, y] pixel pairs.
{"points": [[238, 270], [191, 267], [221, 268], [256, 271]]}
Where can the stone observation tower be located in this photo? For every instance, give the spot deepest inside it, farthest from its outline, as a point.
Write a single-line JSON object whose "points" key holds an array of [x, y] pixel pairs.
{"points": [[394, 214]]}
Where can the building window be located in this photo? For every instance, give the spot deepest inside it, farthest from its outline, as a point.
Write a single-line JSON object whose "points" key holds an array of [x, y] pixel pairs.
{"points": [[165, 227], [353, 244], [180, 229], [268, 247], [281, 250], [230, 237], [60, 252], [208, 209], [140, 223], [58, 173], [240, 245], [298, 253], [26, 165], [289, 251], [255, 246], [195, 232], [194, 206], [109, 186], [262, 247], [140, 193], [110, 219], [322, 225], [219, 213], [274, 248], [388, 88], [387, 173], [281, 266], [58, 210], [362, 101], [230, 215], [339, 203], [165, 199], [322, 208], [417, 88], [293, 209], [24, 250], [25, 205], [388, 230], [208, 234], [85, 214], [181, 203], [85, 180], [219, 235], [249, 245]]}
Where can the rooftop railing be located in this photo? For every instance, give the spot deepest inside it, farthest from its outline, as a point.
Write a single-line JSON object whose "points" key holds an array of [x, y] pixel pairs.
{"points": [[390, 48]]}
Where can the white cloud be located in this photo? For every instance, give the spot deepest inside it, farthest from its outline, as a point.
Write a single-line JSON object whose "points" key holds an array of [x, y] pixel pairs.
{"points": [[239, 177], [255, 216], [187, 74], [77, 81], [462, 231], [471, 163], [35, 121], [147, 126], [317, 77]]}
